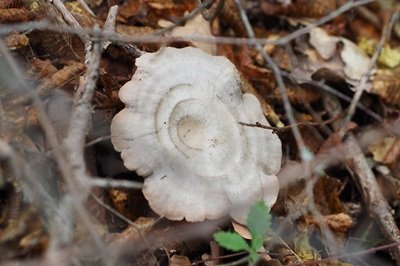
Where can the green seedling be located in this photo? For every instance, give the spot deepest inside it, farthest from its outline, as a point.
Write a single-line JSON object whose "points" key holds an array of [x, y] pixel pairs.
{"points": [[258, 223]]}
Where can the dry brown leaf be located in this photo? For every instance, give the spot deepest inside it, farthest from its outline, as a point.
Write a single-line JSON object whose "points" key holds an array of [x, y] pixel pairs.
{"points": [[212, 259], [241, 230], [132, 233], [355, 61], [381, 149], [334, 141], [326, 194], [170, 8], [253, 75], [338, 223], [130, 8], [61, 78], [312, 138], [299, 8], [26, 226], [138, 31], [386, 84], [298, 95], [131, 205], [177, 260], [393, 154], [84, 18], [16, 41], [392, 157], [231, 16], [43, 68], [37, 240], [56, 46], [11, 4], [15, 15], [197, 26]]}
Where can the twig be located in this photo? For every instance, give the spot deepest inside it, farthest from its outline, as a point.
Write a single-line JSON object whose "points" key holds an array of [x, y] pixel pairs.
{"points": [[334, 92], [376, 202], [220, 257], [86, 7], [109, 25], [81, 111], [305, 154], [126, 220], [75, 140], [285, 128], [365, 77], [342, 9], [368, 15], [97, 140], [109, 183], [69, 18], [369, 188], [151, 38]]}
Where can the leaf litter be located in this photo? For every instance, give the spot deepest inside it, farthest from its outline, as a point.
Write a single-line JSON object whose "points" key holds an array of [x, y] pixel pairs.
{"points": [[323, 215]]}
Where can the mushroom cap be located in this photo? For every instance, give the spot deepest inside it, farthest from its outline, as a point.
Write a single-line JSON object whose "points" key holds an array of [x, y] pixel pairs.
{"points": [[180, 129]]}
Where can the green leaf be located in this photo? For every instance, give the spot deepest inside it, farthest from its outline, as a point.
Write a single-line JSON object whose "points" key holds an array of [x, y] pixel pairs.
{"points": [[257, 242], [259, 219], [231, 241]]}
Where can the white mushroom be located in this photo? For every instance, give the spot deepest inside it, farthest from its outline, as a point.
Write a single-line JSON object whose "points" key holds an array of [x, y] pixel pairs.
{"points": [[180, 128]]}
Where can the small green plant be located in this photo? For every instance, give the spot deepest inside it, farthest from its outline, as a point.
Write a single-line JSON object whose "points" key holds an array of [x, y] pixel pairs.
{"points": [[258, 223]]}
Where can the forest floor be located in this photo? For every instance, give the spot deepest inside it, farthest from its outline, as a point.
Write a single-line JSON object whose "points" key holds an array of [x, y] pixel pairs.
{"points": [[326, 74]]}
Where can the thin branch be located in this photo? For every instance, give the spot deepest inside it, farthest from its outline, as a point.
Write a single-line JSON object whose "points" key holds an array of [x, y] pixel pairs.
{"points": [[75, 140], [69, 18], [368, 186], [334, 92], [86, 7], [81, 112], [110, 183], [126, 220], [109, 25], [305, 154], [285, 128], [151, 38], [337, 12], [376, 202], [97, 140]]}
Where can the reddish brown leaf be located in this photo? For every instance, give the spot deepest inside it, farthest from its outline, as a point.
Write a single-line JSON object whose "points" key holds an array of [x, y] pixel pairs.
{"points": [[62, 77], [14, 15], [11, 4], [299, 8]]}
